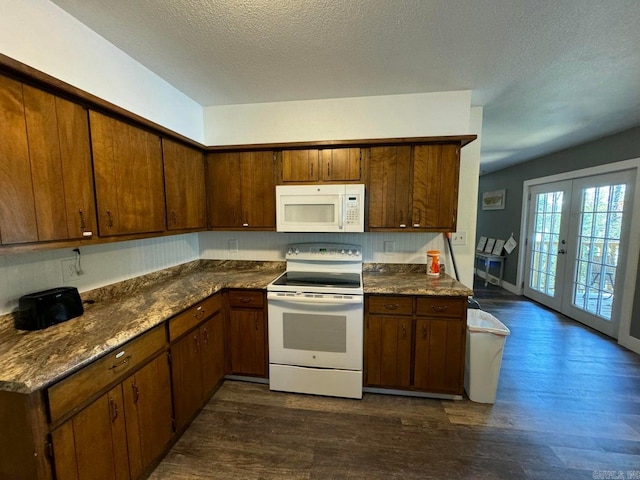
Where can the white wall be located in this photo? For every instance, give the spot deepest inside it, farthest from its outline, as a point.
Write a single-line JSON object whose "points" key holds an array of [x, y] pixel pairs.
{"points": [[40, 34], [22, 273], [413, 115]]}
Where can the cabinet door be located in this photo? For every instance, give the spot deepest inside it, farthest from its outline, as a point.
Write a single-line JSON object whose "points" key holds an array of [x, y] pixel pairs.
{"points": [[300, 165], [129, 179], [340, 164], [388, 351], [258, 189], [58, 133], [147, 396], [184, 180], [247, 342], [93, 443], [389, 187], [17, 206], [213, 352], [439, 355], [186, 368], [224, 190], [435, 186]]}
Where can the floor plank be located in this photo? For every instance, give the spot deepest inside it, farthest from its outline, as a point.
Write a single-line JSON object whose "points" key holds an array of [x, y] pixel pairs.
{"points": [[568, 407]]}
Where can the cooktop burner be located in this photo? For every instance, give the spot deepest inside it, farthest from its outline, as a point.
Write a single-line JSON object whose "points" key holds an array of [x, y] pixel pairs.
{"points": [[318, 279]]}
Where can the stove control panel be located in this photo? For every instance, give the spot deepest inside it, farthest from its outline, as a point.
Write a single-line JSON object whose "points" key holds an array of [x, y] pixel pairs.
{"points": [[331, 252]]}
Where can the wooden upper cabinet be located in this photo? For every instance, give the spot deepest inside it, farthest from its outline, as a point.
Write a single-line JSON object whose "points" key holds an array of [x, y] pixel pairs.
{"points": [[46, 190], [17, 205], [127, 163], [300, 165], [241, 190], [414, 187], [436, 170], [184, 180], [326, 165], [389, 188], [340, 164]]}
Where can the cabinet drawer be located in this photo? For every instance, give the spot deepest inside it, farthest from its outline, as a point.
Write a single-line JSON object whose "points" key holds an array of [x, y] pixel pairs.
{"points": [[71, 392], [191, 317], [440, 306], [246, 299], [391, 305]]}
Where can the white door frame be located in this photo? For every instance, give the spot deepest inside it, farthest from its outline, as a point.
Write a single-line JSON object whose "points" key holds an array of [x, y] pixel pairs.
{"points": [[633, 253]]}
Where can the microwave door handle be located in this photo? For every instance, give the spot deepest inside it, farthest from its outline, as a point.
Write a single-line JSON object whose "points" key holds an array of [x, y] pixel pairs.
{"points": [[342, 208]]}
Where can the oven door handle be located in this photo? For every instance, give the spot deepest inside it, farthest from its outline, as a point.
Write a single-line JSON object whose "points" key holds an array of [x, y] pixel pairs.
{"points": [[328, 300]]}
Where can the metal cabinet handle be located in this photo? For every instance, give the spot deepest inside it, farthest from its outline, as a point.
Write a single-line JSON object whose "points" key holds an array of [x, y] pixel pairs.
{"points": [[196, 343], [123, 362], [328, 170], [174, 217], [245, 299], [311, 169], [114, 410], [136, 393], [424, 331], [83, 220], [404, 331], [439, 308], [205, 333], [109, 219], [391, 306]]}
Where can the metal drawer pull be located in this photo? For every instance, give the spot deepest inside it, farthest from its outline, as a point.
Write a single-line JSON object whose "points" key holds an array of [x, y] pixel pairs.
{"points": [[114, 410], [136, 393], [404, 331], [123, 362], [109, 219], [391, 306], [245, 300], [439, 308]]}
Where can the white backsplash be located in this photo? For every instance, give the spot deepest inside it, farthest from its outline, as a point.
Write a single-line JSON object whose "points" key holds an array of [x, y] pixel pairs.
{"points": [[105, 264], [22, 273], [270, 246]]}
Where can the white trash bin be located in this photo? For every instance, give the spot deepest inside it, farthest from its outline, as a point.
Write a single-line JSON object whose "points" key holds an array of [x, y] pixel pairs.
{"points": [[485, 343]]}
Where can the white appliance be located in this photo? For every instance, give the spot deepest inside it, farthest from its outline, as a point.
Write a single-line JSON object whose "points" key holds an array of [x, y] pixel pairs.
{"points": [[320, 208], [316, 311]]}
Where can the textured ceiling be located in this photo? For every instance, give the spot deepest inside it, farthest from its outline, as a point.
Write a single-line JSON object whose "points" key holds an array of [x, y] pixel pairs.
{"points": [[550, 74]]}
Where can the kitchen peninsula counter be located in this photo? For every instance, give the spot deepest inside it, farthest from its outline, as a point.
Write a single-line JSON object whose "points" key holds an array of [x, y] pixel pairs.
{"points": [[115, 314], [409, 279]]}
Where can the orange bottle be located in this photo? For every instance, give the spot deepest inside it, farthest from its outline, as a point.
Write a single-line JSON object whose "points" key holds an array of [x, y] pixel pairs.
{"points": [[433, 262]]}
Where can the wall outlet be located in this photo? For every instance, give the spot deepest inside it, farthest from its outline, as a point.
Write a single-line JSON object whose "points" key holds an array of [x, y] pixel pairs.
{"points": [[68, 269], [389, 247], [459, 238], [233, 246]]}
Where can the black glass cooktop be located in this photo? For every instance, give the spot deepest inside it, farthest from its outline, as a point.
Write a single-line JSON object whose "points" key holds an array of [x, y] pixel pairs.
{"points": [[319, 279]]}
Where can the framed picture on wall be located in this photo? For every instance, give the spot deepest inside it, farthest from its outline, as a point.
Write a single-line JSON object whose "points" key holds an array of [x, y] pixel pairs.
{"points": [[495, 200]]}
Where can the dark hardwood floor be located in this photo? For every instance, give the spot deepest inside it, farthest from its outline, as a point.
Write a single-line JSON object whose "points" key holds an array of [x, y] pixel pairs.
{"points": [[568, 407]]}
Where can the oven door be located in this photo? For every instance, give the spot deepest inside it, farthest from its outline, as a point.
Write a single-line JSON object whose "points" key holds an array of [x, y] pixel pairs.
{"points": [[315, 330]]}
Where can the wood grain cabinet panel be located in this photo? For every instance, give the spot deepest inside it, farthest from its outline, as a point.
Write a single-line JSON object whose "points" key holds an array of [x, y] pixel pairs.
{"points": [[413, 188], [184, 179], [129, 177], [389, 188], [247, 333], [46, 186], [93, 443], [321, 165], [241, 190], [340, 164], [198, 357], [388, 348], [415, 343]]}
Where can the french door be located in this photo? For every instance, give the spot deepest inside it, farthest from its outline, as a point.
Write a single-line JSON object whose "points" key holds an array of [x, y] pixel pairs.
{"points": [[576, 245]]}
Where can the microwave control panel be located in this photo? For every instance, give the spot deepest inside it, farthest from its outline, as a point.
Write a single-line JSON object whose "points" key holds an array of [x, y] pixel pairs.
{"points": [[352, 209]]}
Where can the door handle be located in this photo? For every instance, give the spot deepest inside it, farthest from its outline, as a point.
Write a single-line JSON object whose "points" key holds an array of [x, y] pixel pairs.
{"points": [[562, 251]]}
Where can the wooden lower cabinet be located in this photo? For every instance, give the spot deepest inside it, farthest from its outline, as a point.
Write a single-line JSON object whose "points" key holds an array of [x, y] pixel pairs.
{"points": [[197, 366], [247, 333], [415, 343], [93, 443], [122, 433]]}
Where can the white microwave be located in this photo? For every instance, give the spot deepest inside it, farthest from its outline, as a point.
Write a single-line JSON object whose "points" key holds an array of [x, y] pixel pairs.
{"points": [[320, 208]]}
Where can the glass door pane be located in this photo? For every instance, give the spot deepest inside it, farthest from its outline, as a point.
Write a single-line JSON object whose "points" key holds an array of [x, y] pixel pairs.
{"points": [[598, 244]]}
